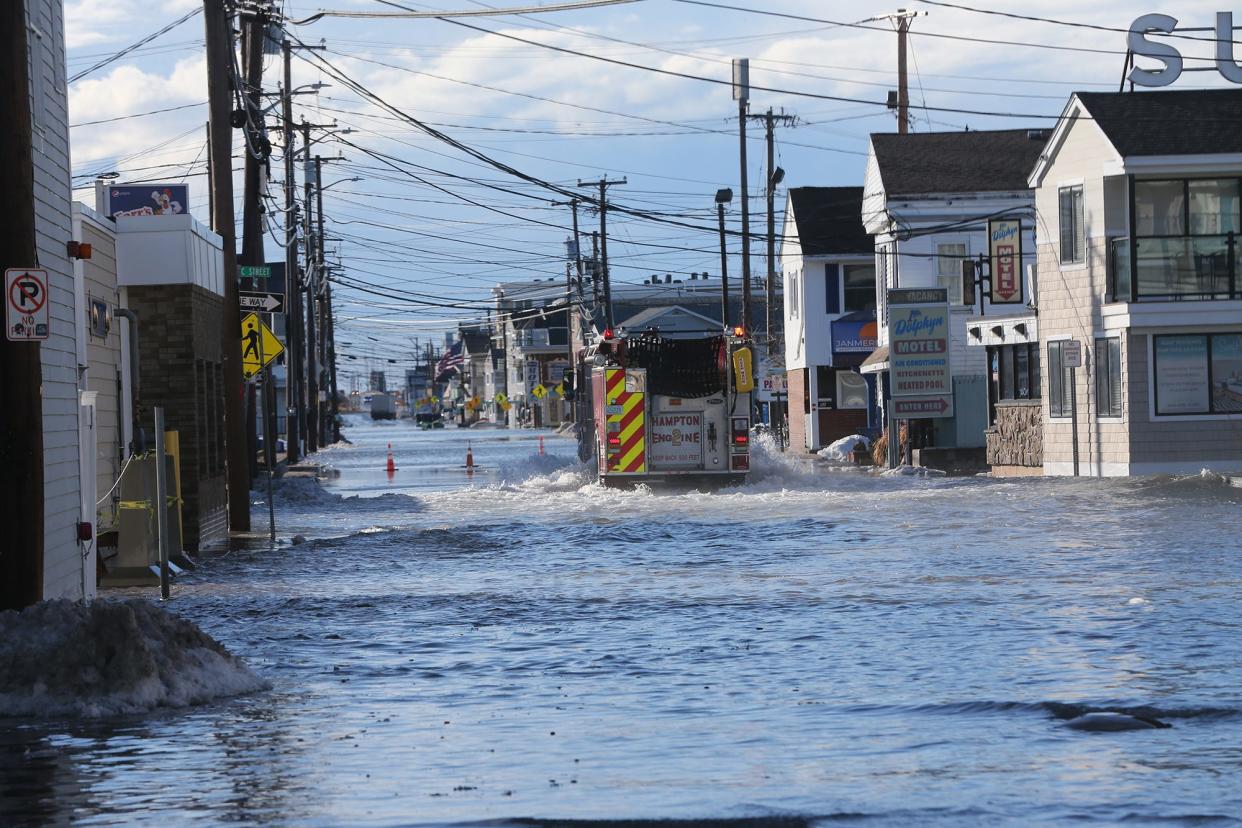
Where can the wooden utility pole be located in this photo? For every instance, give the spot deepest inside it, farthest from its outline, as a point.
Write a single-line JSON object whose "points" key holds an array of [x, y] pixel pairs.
{"points": [[219, 48], [308, 319], [293, 308], [321, 279], [252, 219], [775, 176], [603, 185], [902, 18], [21, 373]]}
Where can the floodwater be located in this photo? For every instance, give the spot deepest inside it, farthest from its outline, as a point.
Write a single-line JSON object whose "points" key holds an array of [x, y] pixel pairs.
{"points": [[812, 647]]}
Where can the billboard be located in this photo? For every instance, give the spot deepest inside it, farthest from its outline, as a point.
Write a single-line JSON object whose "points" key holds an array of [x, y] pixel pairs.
{"points": [[1005, 249], [920, 382], [146, 200], [853, 336]]}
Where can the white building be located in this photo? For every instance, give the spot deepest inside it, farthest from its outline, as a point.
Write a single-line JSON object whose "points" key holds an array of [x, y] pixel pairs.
{"points": [[827, 262], [927, 200], [1140, 196]]}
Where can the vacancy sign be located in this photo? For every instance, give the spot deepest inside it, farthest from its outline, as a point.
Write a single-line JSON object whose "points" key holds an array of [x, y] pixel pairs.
{"points": [[918, 341], [1005, 248], [26, 313]]}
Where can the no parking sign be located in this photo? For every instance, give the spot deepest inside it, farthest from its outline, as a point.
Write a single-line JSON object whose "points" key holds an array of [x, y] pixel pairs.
{"points": [[26, 312]]}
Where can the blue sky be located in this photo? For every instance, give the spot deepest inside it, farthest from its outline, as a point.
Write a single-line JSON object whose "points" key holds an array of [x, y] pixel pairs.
{"points": [[563, 117]]}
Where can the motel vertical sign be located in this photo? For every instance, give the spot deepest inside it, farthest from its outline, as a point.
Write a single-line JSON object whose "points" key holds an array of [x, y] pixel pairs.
{"points": [[1005, 249], [920, 382]]}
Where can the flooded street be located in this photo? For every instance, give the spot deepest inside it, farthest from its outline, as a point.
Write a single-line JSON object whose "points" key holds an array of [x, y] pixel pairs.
{"points": [[815, 644]]}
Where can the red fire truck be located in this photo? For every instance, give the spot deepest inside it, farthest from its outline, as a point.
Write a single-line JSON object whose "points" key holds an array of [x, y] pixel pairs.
{"points": [[663, 410]]}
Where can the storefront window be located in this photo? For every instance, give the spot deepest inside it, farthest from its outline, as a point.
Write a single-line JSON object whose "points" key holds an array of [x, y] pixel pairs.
{"points": [[1013, 374], [1198, 374]]}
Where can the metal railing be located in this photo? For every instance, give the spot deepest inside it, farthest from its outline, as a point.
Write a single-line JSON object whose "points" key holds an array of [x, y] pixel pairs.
{"points": [[1173, 268]]}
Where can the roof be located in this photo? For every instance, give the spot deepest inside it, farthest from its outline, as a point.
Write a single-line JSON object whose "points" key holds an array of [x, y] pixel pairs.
{"points": [[922, 163], [829, 221], [646, 318], [1178, 122]]}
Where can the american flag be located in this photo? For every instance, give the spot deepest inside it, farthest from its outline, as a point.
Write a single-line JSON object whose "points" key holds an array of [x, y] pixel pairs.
{"points": [[450, 361]]}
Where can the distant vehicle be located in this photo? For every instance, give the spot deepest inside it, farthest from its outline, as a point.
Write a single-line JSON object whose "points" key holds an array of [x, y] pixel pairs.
{"points": [[668, 410], [383, 407]]}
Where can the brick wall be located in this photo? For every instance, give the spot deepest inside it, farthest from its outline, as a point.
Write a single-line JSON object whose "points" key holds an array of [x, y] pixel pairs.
{"points": [[180, 366], [798, 425]]}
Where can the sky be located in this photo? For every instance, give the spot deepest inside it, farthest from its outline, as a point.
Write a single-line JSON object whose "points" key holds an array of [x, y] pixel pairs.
{"points": [[549, 96]]}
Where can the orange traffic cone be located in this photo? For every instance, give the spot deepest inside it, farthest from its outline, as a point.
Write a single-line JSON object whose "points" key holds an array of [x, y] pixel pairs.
{"points": [[541, 444], [469, 458], [391, 467]]}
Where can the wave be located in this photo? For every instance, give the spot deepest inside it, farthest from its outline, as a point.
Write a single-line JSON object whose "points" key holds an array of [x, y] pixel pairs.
{"points": [[308, 491], [112, 657], [1058, 710]]}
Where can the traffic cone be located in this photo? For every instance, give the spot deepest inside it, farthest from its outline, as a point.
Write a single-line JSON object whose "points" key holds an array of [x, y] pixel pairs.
{"points": [[391, 467], [541, 444], [469, 458]]}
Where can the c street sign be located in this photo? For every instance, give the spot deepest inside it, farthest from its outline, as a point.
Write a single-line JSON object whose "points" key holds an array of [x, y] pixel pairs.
{"points": [[256, 271], [262, 302]]}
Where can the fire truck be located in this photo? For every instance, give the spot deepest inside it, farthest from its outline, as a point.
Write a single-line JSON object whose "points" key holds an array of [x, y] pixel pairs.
{"points": [[660, 410]]}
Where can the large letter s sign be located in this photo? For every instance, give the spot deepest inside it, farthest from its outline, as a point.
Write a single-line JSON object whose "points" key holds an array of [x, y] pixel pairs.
{"points": [[1139, 44]]}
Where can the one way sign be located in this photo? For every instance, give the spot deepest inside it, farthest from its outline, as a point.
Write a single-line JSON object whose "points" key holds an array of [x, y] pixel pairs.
{"points": [[262, 302]]}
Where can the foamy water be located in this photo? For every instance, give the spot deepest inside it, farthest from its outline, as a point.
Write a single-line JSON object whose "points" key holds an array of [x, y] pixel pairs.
{"points": [[819, 642]]}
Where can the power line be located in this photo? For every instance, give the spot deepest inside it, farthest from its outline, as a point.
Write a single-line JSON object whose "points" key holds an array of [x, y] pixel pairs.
{"points": [[118, 55]]}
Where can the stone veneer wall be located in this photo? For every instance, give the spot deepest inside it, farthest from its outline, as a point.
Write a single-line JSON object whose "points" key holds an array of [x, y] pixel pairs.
{"points": [[1017, 439], [180, 359]]}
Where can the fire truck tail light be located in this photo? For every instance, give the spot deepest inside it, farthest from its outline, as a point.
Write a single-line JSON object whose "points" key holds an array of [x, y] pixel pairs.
{"points": [[741, 439], [614, 441]]}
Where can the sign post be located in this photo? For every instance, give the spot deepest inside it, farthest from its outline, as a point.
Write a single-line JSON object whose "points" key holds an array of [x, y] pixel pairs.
{"points": [[1073, 361], [920, 382]]}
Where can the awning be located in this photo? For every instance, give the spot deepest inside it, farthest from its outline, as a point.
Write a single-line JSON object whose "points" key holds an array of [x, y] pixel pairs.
{"points": [[876, 362]]}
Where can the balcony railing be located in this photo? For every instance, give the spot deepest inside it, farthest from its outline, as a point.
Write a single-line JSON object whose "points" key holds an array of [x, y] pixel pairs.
{"points": [[1173, 268]]}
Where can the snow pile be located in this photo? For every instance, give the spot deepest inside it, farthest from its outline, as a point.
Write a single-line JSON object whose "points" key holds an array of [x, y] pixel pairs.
{"points": [[842, 451], [62, 658]]}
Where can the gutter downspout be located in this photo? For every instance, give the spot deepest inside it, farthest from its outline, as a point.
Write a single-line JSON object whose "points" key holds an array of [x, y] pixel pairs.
{"points": [[140, 443]]}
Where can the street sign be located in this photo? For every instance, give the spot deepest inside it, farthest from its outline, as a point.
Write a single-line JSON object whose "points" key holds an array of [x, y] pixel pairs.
{"points": [[261, 302], [259, 345], [1073, 353], [540, 391], [255, 271], [27, 316], [919, 344]]}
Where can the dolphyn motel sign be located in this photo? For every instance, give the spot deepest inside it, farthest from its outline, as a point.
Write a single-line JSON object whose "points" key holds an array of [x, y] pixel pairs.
{"points": [[1167, 54]]}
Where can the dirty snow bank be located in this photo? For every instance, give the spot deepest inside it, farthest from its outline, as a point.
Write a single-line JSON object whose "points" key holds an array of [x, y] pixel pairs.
{"points": [[62, 658]]}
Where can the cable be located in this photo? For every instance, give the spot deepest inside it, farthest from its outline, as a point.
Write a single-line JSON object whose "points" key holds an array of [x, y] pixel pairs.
{"points": [[441, 15], [118, 55], [137, 115]]}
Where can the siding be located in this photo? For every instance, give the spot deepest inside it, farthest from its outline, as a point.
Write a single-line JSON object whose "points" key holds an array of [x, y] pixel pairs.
{"points": [[104, 361], [62, 573]]}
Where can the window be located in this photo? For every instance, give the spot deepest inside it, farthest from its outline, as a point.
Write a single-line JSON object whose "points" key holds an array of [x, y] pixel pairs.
{"points": [[793, 295], [1198, 374], [1059, 379], [1108, 377], [859, 288], [1073, 231], [949, 269], [1013, 374], [852, 391], [832, 288]]}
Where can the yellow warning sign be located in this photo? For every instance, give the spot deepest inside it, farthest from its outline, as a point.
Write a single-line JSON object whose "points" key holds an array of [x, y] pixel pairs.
{"points": [[540, 391], [259, 345], [559, 390]]}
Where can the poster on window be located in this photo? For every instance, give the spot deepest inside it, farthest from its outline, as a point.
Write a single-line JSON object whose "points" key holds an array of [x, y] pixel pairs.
{"points": [[1182, 385], [1005, 248], [1227, 373]]}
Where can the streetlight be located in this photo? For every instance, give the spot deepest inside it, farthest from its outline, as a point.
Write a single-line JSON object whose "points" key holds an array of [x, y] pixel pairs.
{"points": [[723, 197]]}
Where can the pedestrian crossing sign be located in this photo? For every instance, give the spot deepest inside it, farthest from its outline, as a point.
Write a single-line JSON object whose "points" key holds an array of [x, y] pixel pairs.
{"points": [[540, 391], [259, 345]]}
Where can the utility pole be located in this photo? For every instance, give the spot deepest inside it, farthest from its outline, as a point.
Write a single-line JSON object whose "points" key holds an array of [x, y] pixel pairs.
{"points": [[603, 185], [252, 220], [741, 94], [293, 308], [902, 19], [308, 321], [775, 176], [723, 197], [219, 49], [321, 279], [21, 372]]}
